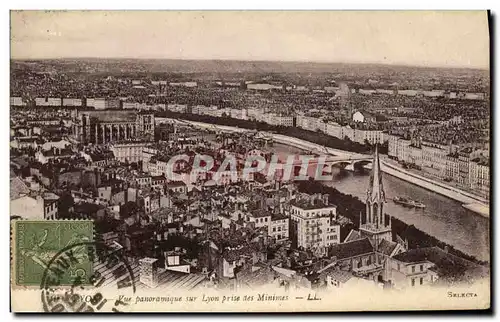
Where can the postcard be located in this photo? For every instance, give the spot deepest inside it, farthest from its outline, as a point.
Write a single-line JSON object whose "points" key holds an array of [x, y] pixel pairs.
{"points": [[249, 161]]}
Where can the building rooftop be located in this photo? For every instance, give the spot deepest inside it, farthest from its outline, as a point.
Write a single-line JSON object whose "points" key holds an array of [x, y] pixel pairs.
{"points": [[100, 156], [339, 275], [148, 260], [278, 216], [260, 213], [18, 188], [167, 279], [446, 265], [58, 152], [353, 235], [175, 184], [114, 116], [309, 205], [234, 254], [387, 247], [351, 249], [257, 275]]}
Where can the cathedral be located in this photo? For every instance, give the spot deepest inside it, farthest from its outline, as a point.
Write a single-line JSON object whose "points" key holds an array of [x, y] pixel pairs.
{"points": [[365, 251], [102, 127]]}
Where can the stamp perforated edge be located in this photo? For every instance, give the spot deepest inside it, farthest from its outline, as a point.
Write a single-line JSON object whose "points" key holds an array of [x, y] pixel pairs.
{"points": [[13, 259]]}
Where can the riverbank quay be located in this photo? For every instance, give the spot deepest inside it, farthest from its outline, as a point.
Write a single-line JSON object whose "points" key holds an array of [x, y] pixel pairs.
{"points": [[474, 203], [469, 201]]}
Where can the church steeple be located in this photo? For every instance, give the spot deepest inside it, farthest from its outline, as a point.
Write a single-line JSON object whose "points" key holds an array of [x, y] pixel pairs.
{"points": [[375, 197], [375, 226], [375, 190]]}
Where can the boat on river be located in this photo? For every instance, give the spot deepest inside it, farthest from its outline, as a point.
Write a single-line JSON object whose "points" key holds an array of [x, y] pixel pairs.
{"points": [[407, 202]]}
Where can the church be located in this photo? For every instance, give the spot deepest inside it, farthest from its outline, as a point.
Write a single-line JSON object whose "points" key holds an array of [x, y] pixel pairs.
{"points": [[365, 251], [108, 126]]}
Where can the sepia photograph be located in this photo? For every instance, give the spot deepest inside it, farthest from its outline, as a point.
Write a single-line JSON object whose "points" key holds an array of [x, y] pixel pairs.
{"points": [[250, 161]]}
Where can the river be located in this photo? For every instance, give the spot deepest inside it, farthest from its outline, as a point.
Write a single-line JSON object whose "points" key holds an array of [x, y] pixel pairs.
{"points": [[443, 218]]}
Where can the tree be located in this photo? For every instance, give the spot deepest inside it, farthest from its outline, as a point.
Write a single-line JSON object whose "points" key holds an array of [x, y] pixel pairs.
{"points": [[65, 204], [128, 209]]}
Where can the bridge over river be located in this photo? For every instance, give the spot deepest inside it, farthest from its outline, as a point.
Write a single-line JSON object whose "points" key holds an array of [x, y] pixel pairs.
{"points": [[443, 217]]}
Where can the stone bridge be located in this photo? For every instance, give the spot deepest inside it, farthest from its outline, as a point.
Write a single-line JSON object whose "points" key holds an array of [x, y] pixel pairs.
{"points": [[347, 162]]}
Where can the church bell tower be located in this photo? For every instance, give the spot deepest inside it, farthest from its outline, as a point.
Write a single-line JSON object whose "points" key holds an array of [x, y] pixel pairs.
{"points": [[374, 225]]}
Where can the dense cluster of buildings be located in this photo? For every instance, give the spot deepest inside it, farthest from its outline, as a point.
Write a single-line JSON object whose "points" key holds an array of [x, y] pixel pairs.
{"points": [[463, 164], [362, 130], [468, 166], [441, 161], [109, 103], [93, 150], [424, 93], [206, 230]]}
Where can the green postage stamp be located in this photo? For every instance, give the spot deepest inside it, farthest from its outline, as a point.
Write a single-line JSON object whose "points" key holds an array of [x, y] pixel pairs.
{"points": [[36, 244]]}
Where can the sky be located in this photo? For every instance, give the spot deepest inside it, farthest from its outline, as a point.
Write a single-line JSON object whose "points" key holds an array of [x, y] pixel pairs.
{"points": [[420, 38]]}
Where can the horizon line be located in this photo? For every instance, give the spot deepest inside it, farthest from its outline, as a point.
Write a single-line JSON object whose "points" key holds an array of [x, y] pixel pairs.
{"points": [[256, 61]]}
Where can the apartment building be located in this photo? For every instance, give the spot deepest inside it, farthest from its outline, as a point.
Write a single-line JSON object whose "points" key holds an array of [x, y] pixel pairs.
{"points": [[316, 222]]}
